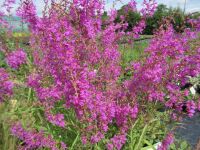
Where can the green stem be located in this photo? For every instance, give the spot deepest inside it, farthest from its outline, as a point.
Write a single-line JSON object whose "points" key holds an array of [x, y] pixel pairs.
{"points": [[132, 132], [141, 137], [29, 94], [71, 148], [143, 134]]}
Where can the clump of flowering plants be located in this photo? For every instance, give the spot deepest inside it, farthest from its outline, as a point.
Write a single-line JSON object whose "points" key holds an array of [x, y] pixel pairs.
{"points": [[169, 63], [73, 82]]}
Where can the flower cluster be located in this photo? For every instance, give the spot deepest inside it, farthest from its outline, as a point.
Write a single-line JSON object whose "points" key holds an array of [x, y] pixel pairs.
{"points": [[117, 142], [6, 85], [132, 6], [27, 12], [195, 23], [57, 119], [149, 7], [8, 5], [191, 107], [34, 139], [16, 58], [167, 142], [165, 69], [6, 8]]}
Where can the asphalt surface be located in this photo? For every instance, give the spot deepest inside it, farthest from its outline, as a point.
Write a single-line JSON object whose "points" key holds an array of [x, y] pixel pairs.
{"points": [[190, 130]]}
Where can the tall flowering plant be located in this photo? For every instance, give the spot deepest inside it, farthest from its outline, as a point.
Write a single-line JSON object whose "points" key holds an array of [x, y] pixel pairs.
{"points": [[169, 63], [84, 68]]}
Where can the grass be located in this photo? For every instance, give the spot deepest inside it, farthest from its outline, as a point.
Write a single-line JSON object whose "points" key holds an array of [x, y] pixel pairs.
{"points": [[7, 141], [21, 34], [132, 52]]}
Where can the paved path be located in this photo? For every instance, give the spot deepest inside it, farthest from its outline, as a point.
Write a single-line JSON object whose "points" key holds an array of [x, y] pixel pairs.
{"points": [[190, 130]]}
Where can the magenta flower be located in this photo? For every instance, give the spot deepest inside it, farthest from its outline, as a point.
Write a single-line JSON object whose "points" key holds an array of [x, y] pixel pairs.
{"points": [[169, 139], [117, 142], [6, 86], [34, 139], [16, 58], [191, 107], [57, 119], [27, 11]]}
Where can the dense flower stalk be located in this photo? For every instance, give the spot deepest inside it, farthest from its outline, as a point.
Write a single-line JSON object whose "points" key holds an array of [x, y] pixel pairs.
{"points": [[34, 139], [16, 58], [167, 142], [27, 12], [6, 88], [8, 5]]}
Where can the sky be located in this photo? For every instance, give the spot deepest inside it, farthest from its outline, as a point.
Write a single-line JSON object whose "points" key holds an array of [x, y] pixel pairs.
{"points": [[191, 5]]}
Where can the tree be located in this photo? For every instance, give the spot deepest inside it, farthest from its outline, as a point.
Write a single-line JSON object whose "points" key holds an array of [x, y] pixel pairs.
{"points": [[132, 17]]}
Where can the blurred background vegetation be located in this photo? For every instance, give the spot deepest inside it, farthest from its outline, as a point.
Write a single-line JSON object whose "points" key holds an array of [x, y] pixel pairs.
{"points": [[177, 15]]}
